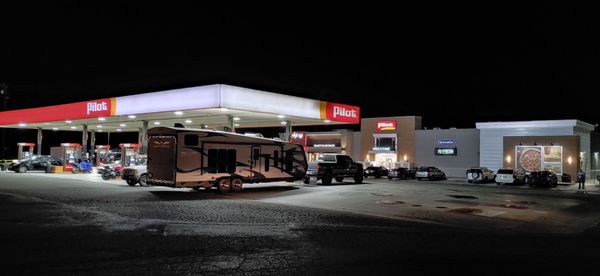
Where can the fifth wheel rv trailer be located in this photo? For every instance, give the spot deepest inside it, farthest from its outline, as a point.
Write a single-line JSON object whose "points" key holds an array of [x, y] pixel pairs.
{"points": [[195, 158]]}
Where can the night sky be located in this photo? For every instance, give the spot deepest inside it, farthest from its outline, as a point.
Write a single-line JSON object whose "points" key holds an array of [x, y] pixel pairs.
{"points": [[452, 65]]}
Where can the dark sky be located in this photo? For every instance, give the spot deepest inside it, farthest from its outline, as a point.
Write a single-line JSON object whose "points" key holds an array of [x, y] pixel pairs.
{"points": [[453, 65]]}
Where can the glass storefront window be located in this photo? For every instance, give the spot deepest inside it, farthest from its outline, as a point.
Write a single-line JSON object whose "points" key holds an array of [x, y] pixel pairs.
{"points": [[385, 143]]}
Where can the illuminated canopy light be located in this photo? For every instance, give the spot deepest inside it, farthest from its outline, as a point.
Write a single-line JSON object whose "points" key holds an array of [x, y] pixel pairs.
{"points": [[99, 126], [54, 128], [122, 125], [157, 123], [73, 127], [118, 129], [131, 116], [100, 130], [101, 119], [22, 125], [236, 118], [188, 121], [283, 123], [237, 125], [280, 116], [68, 121], [327, 121], [178, 112]]}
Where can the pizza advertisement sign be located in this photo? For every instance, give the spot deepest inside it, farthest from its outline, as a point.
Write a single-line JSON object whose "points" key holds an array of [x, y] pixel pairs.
{"points": [[536, 158]]}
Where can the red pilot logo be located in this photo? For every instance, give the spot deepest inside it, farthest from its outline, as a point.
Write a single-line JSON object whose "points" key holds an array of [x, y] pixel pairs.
{"points": [[340, 112], [386, 125], [96, 107]]}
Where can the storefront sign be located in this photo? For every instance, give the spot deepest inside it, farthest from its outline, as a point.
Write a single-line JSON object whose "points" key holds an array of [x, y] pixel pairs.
{"points": [[340, 112], [324, 145], [446, 142], [445, 151], [381, 148], [72, 111], [386, 125]]}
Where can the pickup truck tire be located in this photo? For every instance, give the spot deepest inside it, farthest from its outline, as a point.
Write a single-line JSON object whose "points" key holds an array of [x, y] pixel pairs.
{"points": [[131, 182], [306, 180], [143, 180], [339, 179], [358, 179], [327, 178]]}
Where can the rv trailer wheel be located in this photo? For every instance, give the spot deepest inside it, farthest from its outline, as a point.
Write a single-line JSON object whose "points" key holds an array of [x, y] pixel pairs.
{"points": [[236, 184], [224, 185]]}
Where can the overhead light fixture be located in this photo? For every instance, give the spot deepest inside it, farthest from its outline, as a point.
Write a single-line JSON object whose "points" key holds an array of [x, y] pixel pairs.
{"points": [[327, 121], [68, 121], [73, 127], [99, 126], [224, 109], [101, 119], [22, 125], [100, 130], [188, 121], [178, 112], [236, 118], [119, 130], [122, 125], [280, 116], [205, 126], [283, 123], [237, 125], [131, 116], [46, 123], [157, 123], [55, 128]]}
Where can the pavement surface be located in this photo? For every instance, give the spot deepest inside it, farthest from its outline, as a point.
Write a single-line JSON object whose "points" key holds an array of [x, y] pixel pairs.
{"points": [[80, 224]]}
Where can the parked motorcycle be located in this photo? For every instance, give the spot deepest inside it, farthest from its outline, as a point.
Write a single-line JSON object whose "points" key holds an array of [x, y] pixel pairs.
{"points": [[83, 167], [110, 173]]}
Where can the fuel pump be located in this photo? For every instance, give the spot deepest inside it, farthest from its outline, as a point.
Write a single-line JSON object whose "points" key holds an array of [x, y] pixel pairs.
{"points": [[25, 150], [71, 153], [102, 154], [129, 154]]}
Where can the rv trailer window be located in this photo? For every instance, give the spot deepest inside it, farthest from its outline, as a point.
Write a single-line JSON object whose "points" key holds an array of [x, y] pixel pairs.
{"points": [[222, 161], [231, 160], [212, 161], [190, 140], [276, 159]]}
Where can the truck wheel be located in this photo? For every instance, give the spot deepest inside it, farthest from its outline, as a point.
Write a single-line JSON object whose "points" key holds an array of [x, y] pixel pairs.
{"points": [[131, 182], [327, 178], [224, 185], [144, 180], [237, 184], [358, 179], [22, 169], [339, 179], [306, 180]]}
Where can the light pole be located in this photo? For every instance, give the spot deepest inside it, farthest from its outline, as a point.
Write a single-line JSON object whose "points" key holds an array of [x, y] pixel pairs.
{"points": [[4, 95]]}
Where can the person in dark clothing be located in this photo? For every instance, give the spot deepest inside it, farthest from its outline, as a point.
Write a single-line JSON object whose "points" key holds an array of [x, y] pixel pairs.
{"points": [[581, 179]]}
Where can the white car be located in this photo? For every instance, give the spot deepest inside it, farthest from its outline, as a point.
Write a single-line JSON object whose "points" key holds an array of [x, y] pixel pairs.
{"points": [[508, 175], [481, 175]]}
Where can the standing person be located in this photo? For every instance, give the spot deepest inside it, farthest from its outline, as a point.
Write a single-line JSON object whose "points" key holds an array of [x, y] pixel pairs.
{"points": [[581, 179]]}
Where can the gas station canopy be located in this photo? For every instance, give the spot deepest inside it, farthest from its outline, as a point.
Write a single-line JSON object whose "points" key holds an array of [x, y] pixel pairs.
{"points": [[209, 106]]}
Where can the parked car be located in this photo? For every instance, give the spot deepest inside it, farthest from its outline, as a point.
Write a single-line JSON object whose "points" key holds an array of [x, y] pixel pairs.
{"points": [[135, 174], [35, 163], [376, 172], [509, 175], [430, 173], [541, 178], [402, 173], [481, 174]]}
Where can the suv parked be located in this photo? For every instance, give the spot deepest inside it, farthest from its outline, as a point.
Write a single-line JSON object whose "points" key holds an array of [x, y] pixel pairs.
{"points": [[334, 166], [430, 173], [508, 175], [377, 172], [402, 173], [135, 174], [481, 174]]}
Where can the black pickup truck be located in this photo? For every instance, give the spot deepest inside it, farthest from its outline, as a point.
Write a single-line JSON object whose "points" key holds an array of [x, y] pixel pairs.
{"points": [[334, 166]]}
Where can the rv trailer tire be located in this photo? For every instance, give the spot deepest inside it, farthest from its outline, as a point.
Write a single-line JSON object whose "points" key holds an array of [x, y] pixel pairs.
{"points": [[224, 185], [236, 184]]}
